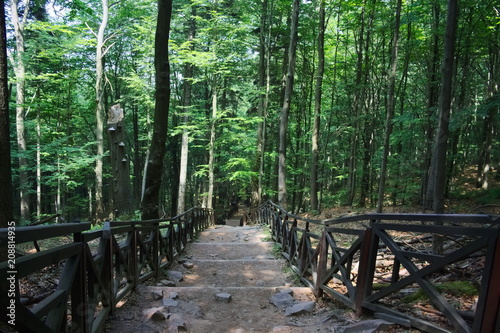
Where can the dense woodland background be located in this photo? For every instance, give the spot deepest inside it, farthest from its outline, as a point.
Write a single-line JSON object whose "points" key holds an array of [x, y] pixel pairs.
{"points": [[311, 103]]}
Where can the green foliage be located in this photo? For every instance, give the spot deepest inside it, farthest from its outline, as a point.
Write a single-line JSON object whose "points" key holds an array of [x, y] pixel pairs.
{"points": [[454, 288], [224, 53]]}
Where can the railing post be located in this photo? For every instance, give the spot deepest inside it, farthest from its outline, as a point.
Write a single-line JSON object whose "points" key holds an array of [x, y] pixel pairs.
{"points": [[321, 264], [489, 308], [367, 259], [133, 257], [155, 247], [170, 245], [79, 291], [106, 250]]}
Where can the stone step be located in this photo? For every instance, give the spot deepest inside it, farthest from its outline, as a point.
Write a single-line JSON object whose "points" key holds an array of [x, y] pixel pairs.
{"points": [[234, 273], [228, 234], [248, 309], [231, 251]]}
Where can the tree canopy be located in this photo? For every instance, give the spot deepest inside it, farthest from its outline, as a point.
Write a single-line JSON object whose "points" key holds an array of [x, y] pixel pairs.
{"points": [[376, 117]]}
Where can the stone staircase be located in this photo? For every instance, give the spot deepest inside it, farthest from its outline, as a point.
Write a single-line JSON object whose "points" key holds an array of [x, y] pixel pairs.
{"points": [[228, 280]]}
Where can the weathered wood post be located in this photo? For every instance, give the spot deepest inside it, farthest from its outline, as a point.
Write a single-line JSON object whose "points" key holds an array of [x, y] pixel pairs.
{"points": [[488, 311], [321, 264], [120, 193], [366, 271]]}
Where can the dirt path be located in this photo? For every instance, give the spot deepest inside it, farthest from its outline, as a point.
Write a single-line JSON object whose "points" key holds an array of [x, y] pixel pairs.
{"points": [[228, 277]]}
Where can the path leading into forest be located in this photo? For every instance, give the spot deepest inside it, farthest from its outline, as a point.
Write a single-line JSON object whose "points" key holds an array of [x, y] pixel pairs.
{"points": [[228, 280]]}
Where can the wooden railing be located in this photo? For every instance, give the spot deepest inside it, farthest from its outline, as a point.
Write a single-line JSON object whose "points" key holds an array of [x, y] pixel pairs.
{"points": [[93, 271], [344, 257]]}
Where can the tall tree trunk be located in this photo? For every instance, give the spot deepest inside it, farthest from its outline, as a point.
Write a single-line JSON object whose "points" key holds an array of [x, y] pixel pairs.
{"points": [[391, 106], [442, 134], [262, 107], [187, 100], [6, 204], [357, 106], [121, 198], [317, 108], [138, 161], [100, 110], [181, 200], [38, 166], [211, 152], [484, 162], [20, 72], [282, 195], [153, 177], [441, 144], [427, 188]]}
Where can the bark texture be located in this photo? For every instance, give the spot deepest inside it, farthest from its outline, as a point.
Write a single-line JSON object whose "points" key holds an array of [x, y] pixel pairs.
{"points": [[153, 179]]}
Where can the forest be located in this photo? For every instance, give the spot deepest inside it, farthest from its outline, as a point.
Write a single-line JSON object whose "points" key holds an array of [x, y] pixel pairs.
{"points": [[310, 103]]}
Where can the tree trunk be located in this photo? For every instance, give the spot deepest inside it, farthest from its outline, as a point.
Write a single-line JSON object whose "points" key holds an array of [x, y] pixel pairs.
{"points": [[187, 100], [153, 177], [38, 166], [357, 105], [100, 109], [282, 195], [20, 72], [391, 106], [138, 161], [121, 199], [484, 162], [6, 204], [211, 152], [317, 109], [442, 133], [427, 188], [181, 200], [262, 107]]}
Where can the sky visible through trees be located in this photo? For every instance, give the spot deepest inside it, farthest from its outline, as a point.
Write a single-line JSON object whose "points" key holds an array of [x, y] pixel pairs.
{"points": [[364, 125]]}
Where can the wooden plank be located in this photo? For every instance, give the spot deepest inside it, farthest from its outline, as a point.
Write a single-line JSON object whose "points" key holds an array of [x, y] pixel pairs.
{"points": [[39, 232], [47, 304], [26, 321], [358, 232], [488, 308], [440, 218], [434, 229], [348, 301], [34, 262]]}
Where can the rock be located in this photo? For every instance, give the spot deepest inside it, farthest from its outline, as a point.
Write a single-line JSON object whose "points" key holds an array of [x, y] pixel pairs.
{"points": [[168, 283], [192, 309], [158, 316], [282, 299], [155, 314], [170, 303], [175, 276], [174, 295], [368, 326], [177, 321], [157, 294], [299, 308], [288, 291], [188, 265], [223, 297]]}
